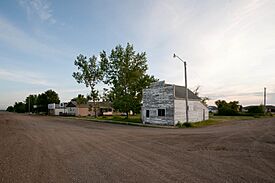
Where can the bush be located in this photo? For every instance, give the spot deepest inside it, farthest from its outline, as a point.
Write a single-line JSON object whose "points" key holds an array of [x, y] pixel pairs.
{"points": [[226, 111], [184, 125], [10, 109], [256, 109]]}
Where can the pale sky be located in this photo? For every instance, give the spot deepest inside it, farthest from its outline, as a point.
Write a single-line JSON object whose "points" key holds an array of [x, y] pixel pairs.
{"points": [[229, 45]]}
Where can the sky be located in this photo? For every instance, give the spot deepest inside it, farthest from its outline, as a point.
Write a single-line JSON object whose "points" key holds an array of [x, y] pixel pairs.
{"points": [[229, 45]]}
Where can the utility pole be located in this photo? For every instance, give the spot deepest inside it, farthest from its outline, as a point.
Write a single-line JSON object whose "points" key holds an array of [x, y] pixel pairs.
{"points": [[186, 89]]}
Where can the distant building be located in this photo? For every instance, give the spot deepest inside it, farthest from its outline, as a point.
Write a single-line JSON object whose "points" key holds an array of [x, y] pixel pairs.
{"points": [[165, 104], [212, 109], [270, 108], [57, 109], [103, 108]]}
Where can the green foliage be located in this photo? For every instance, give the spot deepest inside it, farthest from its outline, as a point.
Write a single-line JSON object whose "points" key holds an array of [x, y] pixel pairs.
{"points": [[46, 98], [10, 109], [90, 72], [30, 101], [19, 107], [134, 119], [41, 101], [125, 71], [184, 125], [52, 97], [80, 99], [256, 109], [227, 109]]}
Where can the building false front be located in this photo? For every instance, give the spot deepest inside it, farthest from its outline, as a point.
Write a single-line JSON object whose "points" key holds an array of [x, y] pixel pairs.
{"points": [[74, 109], [165, 104]]}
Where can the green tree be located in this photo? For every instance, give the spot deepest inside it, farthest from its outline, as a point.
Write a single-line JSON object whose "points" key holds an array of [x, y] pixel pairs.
{"points": [[125, 73], [42, 102], [19, 107], [48, 97], [229, 109], [52, 97], [80, 99], [90, 73], [256, 109], [10, 109], [30, 101]]}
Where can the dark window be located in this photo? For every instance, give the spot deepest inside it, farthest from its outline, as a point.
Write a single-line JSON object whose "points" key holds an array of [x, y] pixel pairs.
{"points": [[161, 112], [147, 113]]}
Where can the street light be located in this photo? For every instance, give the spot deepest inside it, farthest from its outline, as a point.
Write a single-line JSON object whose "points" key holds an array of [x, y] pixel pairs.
{"points": [[186, 90]]}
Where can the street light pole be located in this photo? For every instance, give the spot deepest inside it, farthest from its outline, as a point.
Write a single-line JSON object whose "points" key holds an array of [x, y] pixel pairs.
{"points": [[186, 89]]}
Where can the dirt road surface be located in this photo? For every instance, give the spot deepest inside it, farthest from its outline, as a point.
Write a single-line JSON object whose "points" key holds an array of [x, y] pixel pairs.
{"points": [[54, 149]]}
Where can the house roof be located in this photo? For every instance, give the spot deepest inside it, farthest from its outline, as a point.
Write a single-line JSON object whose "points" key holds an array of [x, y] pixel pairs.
{"points": [[71, 104], [179, 90], [180, 93], [90, 104]]}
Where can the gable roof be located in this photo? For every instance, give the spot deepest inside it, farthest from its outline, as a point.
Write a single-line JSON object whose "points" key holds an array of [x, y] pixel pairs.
{"points": [[71, 104], [180, 93]]}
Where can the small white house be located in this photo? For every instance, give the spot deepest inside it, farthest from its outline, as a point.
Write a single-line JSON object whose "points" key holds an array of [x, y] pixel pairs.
{"points": [[165, 104], [57, 109]]}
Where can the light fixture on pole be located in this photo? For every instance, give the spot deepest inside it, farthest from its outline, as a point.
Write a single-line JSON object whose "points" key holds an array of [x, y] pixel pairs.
{"points": [[186, 89]]}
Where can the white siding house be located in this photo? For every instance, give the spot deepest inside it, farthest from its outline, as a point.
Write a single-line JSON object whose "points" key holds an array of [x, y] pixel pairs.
{"points": [[165, 104], [57, 109]]}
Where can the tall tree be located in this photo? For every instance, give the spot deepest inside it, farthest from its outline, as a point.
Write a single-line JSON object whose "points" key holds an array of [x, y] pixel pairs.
{"points": [[52, 97], [19, 107], [125, 72], [48, 97], [90, 73], [80, 99], [230, 109], [10, 109], [30, 101]]}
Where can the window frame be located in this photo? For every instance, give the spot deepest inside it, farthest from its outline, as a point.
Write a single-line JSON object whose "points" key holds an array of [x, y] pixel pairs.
{"points": [[147, 113], [161, 112]]}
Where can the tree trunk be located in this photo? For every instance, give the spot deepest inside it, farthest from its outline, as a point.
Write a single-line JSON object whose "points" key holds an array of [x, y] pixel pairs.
{"points": [[95, 109]]}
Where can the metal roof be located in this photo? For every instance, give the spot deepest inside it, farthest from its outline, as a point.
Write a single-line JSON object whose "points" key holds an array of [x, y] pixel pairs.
{"points": [[180, 93]]}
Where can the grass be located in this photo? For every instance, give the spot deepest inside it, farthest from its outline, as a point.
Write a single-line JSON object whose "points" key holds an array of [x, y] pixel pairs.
{"points": [[218, 119], [136, 120], [121, 120], [133, 119]]}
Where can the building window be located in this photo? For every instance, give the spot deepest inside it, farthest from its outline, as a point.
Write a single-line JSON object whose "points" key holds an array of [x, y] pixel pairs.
{"points": [[147, 113], [161, 112]]}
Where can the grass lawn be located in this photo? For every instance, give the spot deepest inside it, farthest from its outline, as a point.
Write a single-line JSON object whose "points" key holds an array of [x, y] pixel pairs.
{"points": [[133, 119], [218, 119], [136, 119]]}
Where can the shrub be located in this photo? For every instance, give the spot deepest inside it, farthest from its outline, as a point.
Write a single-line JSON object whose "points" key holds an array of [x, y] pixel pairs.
{"points": [[10, 109], [256, 109], [184, 125], [227, 111]]}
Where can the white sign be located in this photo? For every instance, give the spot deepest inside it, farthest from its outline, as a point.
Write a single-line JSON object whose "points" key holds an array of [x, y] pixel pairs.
{"points": [[51, 106]]}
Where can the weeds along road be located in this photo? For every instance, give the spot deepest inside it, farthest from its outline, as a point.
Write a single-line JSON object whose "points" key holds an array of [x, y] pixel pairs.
{"points": [[53, 149]]}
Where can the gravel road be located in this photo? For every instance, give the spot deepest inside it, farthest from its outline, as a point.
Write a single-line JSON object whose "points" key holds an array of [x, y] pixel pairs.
{"points": [[54, 149]]}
